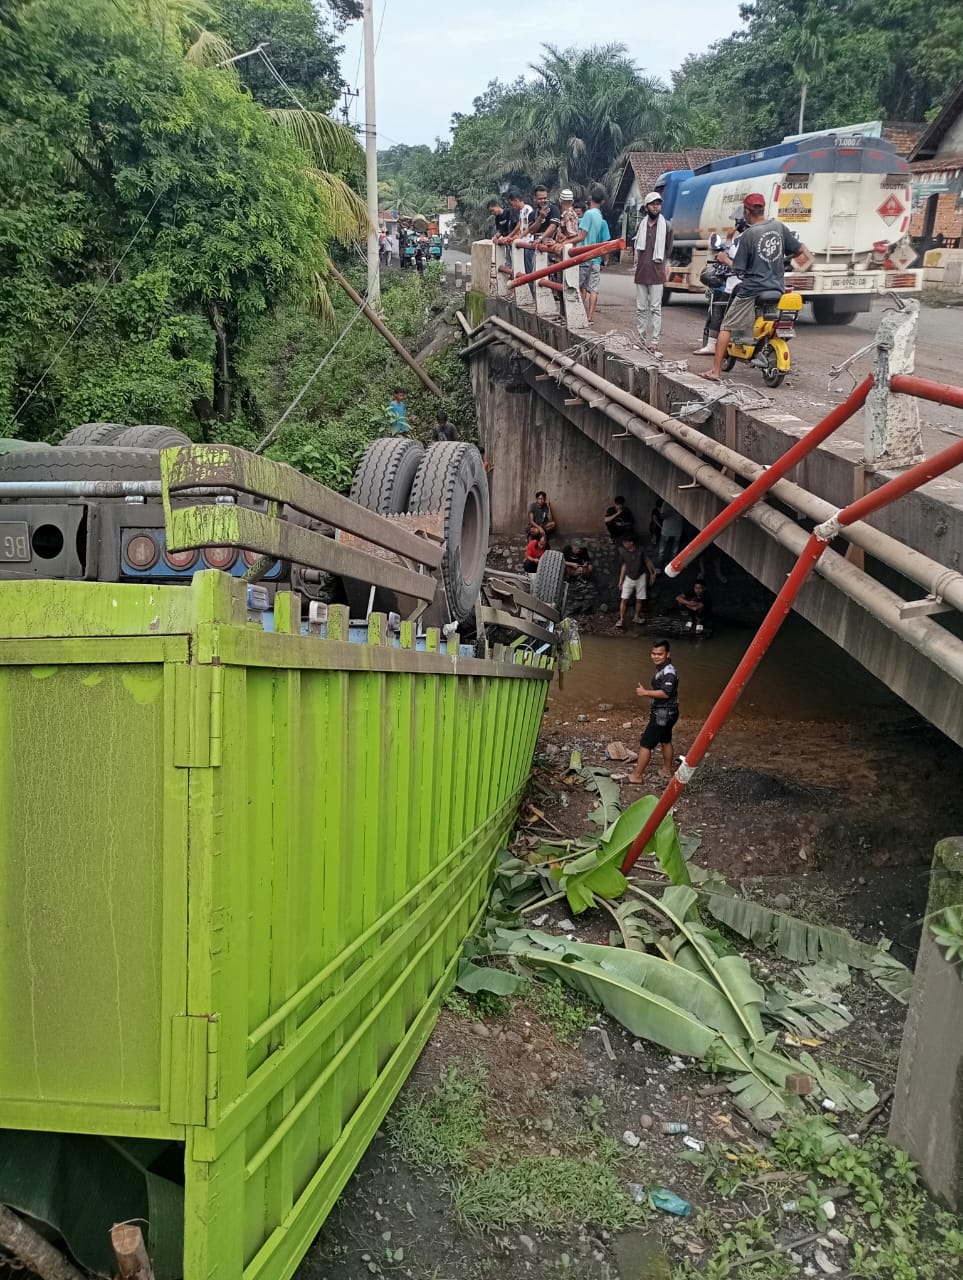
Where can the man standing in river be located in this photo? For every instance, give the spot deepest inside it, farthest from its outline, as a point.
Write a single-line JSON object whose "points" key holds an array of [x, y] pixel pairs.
{"points": [[663, 712]]}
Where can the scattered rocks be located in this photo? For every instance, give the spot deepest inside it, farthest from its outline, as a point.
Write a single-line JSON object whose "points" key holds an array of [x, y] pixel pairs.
{"points": [[605, 706], [837, 1237], [631, 1139], [527, 1243], [646, 1121], [480, 1030]]}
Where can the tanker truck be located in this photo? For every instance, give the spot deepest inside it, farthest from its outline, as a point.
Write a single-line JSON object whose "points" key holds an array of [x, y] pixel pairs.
{"points": [[846, 196]]}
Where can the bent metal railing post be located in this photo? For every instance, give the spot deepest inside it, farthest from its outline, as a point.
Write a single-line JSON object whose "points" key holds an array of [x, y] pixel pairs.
{"points": [[819, 540]]}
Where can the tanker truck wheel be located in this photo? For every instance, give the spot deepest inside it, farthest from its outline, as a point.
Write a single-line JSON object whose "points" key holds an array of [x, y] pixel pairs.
{"points": [[451, 482], [384, 476], [151, 437], [827, 311], [93, 433]]}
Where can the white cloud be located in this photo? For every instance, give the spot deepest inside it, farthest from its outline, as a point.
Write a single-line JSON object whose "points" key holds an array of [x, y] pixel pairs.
{"points": [[433, 60]]}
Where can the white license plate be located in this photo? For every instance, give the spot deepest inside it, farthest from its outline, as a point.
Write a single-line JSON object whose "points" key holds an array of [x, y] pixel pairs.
{"points": [[15, 541], [849, 282]]}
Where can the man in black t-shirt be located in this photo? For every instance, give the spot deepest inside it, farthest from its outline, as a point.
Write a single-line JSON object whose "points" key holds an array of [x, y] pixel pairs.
{"points": [[696, 606], [634, 577], [663, 712], [443, 429], [619, 520], [577, 562]]}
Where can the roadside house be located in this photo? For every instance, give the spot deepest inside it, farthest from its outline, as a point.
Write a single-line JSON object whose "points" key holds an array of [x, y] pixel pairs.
{"points": [[937, 165]]}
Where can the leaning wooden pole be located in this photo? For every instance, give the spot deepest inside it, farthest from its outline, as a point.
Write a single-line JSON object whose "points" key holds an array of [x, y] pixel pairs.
{"points": [[32, 1250], [385, 332], [127, 1241]]}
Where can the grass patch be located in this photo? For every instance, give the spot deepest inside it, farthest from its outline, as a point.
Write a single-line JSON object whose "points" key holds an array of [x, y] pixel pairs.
{"points": [[566, 1012], [476, 1006], [552, 1192], [443, 1127]]}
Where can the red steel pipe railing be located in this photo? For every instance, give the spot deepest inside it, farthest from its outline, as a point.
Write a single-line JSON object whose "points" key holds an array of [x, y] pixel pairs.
{"points": [[581, 254], [819, 539], [751, 495]]}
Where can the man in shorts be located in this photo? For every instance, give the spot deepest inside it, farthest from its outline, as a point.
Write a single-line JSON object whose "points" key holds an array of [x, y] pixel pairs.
{"points": [[763, 248], [634, 577], [663, 712], [592, 229]]}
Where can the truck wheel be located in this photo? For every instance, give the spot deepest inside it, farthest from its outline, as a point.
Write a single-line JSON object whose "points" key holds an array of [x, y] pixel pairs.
{"points": [[384, 476], [103, 463], [826, 311], [550, 579], [451, 481], [94, 433], [151, 437], [666, 295], [10, 444]]}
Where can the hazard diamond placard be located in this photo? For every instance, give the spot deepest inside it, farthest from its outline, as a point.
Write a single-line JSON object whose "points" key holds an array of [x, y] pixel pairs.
{"points": [[890, 209]]}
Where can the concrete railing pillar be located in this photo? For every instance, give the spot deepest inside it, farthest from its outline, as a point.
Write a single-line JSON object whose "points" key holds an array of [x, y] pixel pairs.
{"points": [[892, 422], [545, 303], [484, 258], [927, 1115], [523, 294], [575, 317]]}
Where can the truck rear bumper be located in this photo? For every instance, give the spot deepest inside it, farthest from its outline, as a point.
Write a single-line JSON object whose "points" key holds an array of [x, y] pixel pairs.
{"points": [[809, 283]]}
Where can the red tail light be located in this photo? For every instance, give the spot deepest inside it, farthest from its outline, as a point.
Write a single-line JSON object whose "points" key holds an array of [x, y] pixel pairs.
{"points": [[180, 559], [142, 552], [219, 557]]}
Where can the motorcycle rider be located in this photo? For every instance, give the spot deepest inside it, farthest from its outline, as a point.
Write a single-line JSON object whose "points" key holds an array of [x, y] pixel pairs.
{"points": [[759, 263]]}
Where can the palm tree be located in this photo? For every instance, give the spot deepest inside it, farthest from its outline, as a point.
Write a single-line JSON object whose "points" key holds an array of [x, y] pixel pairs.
{"points": [[586, 109], [810, 53]]}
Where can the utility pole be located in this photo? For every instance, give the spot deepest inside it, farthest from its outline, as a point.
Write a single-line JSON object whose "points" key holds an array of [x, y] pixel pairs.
{"points": [[371, 156]]}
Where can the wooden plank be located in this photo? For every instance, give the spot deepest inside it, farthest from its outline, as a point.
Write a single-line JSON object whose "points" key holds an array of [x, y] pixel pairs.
{"points": [[498, 618], [506, 591], [183, 468], [191, 527]]}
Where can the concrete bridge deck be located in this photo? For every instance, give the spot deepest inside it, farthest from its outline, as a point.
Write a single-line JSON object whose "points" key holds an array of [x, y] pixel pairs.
{"points": [[581, 457]]}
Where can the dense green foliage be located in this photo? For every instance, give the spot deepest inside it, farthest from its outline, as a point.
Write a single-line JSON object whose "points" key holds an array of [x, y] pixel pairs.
{"points": [[151, 212], [861, 60], [299, 44]]}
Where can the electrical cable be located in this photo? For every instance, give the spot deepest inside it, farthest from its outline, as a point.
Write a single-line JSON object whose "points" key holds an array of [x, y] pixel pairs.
{"points": [[103, 289], [262, 445]]}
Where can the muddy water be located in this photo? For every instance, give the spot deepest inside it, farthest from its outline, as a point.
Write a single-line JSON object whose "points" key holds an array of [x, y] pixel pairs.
{"points": [[803, 676]]}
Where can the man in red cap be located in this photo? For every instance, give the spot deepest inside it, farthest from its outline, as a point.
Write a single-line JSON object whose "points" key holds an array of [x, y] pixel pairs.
{"points": [[759, 265]]}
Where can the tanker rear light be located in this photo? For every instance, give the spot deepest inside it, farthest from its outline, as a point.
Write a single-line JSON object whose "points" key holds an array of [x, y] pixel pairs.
{"points": [[901, 280], [801, 283], [141, 552]]}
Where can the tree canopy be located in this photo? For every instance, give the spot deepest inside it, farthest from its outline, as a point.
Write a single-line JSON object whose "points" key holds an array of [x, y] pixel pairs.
{"points": [[150, 212]]}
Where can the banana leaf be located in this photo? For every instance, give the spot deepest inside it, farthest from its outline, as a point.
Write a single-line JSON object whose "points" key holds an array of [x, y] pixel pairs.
{"points": [[805, 943], [81, 1184], [805, 1014], [848, 1091], [730, 973], [478, 977], [600, 781], [664, 844], [760, 1083]]}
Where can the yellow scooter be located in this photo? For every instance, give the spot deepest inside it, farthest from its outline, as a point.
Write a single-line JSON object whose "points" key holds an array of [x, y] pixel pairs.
{"points": [[769, 351]]}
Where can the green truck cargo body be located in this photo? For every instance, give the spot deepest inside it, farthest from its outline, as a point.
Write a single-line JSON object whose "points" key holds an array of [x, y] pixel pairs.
{"points": [[236, 869]]}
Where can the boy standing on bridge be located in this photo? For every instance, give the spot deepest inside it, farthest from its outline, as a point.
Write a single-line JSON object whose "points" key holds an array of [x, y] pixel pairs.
{"points": [[663, 713]]}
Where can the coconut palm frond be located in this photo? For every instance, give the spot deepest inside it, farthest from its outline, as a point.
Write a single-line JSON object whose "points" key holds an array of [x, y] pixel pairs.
{"points": [[332, 145], [347, 213], [321, 306], [208, 49]]}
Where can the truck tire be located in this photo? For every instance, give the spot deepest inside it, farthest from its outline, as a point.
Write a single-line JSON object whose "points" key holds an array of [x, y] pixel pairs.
{"points": [[550, 579], [94, 433], [451, 481], [103, 463], [826, 311], [666, 295], [384, 476], [10, 444], [150, 437]]}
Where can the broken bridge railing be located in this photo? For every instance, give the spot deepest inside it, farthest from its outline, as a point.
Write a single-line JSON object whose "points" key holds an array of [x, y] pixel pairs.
{"points": [[499, 270]]}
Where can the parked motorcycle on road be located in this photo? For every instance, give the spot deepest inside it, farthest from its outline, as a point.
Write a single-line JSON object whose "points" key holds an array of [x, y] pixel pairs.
{"points": [[769, 350]]}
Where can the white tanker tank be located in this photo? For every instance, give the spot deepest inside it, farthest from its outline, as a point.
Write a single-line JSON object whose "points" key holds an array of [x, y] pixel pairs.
{"points": [[847, 197]]}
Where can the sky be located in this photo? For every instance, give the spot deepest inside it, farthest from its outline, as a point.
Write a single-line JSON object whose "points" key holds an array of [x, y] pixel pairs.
{"points": [[434, 59]]}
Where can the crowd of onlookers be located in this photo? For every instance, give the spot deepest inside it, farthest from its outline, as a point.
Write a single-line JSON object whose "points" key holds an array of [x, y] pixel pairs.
{"points": [[549, 226], [643, 556]]}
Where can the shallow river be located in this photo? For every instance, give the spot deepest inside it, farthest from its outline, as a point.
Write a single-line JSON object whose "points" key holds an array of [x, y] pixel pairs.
{"points": [[803, 676]]}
